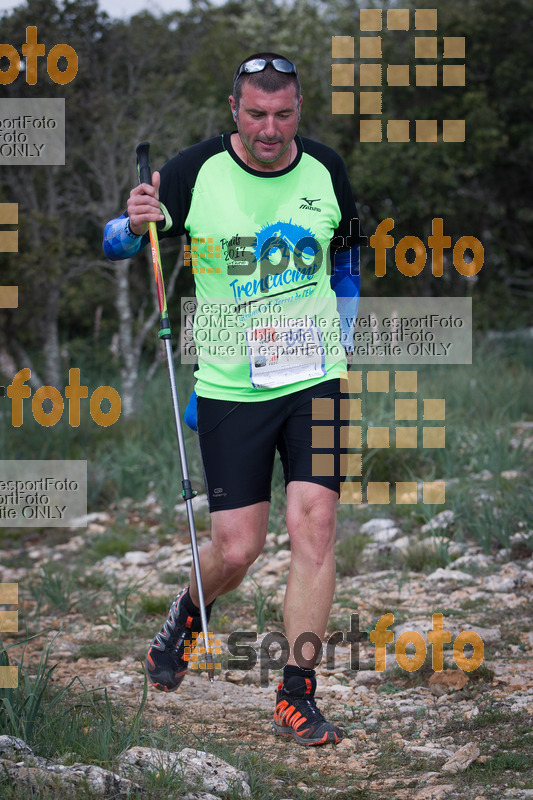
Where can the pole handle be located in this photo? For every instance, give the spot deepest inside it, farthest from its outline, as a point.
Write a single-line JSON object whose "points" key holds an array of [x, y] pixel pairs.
{"points": [[143, 164]]}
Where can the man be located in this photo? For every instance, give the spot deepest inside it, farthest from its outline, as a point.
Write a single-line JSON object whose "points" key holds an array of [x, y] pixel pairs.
{"points": [[271, 202]]}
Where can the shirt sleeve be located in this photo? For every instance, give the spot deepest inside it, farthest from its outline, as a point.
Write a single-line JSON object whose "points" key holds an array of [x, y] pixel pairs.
{"points": [[346, 283], [119, 240]]}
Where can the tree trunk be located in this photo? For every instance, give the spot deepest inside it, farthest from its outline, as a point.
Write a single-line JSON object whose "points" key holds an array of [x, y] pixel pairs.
{"points": [[129, 369], [52, 355]]}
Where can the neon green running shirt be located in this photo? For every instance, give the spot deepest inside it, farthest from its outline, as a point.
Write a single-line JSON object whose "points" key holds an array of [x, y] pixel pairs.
{"points": [[266, 322]]}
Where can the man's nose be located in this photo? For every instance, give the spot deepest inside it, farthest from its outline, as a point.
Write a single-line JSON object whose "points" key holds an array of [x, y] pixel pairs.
{"points": [[270, 127]]}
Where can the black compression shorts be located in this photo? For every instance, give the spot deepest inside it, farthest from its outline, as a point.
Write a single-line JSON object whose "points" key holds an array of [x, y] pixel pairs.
{"points": [[238, 443]]}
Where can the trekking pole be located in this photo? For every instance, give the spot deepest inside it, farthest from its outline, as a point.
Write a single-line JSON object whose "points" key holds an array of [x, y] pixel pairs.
{"points": [[145, 176]]}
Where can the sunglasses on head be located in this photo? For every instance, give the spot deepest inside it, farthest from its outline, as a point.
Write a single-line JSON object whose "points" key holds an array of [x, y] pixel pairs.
{"points": [[259, 64]]}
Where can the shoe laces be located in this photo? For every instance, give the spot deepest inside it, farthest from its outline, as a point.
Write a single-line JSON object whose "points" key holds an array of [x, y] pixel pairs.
{"points": [[311, 705], [306, 702], [168, 635]]}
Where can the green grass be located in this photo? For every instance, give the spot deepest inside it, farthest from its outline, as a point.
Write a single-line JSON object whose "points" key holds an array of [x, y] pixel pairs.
{"points": [[517, 762], [265, 608], [174, 579], [56, 585], [420, 557], [26, 708], [492, 520], [124, 612], [117, 541], [112, 650], [154, 606], [348, 553]]}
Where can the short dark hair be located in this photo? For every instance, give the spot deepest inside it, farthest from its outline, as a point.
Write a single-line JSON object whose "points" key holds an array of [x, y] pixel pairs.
{"points": [[268, 80]]}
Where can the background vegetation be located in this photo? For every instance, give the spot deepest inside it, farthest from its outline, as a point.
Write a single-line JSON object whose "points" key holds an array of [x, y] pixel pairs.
{"points": [[167, 79]]}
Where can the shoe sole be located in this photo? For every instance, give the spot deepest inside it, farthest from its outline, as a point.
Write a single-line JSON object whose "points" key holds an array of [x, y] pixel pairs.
{"points": [[162, 688], [286, 730]]}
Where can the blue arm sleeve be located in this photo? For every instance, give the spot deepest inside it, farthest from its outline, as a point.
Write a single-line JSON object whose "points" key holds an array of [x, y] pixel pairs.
{"points": [[190, 415], [346, 283], [119, 241]]}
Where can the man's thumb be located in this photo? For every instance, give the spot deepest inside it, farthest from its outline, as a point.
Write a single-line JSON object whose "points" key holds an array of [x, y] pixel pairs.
{"points": [[156, 179]]}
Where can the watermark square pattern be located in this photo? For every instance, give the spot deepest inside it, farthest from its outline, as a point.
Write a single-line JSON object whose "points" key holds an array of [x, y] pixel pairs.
{"points": [[9, 623], [9, 241], [373, 74], [202, 246], [195, 653], [348, 459]]}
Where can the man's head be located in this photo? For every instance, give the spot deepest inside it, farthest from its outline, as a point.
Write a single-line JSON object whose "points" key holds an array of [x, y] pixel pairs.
{"points": [[269, 72], [266, 107]]}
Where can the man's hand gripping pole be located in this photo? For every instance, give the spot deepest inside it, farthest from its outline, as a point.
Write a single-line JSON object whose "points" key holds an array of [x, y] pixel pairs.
{"points": [[145, 176]]}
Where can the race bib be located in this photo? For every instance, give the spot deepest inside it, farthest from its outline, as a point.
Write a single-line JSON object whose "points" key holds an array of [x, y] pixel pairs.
{"points": [[281, 354]]}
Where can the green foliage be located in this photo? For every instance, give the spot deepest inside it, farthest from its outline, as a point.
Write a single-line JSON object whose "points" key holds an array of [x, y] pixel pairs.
{"points": [[25, 708], [93, 728], [174, 579], [136, 78], [491, 518], [155, 606], [112, 650], [69, 720], [123, 613], [115, 542], [348, 553], [420, 557], [56, 585], [482, 674], [264, 605], [517, 762]]}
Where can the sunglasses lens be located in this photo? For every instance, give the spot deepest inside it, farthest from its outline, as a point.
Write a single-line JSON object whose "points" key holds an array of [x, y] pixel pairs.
{"points": [[259, 64], [281, 65], [256, 65]]}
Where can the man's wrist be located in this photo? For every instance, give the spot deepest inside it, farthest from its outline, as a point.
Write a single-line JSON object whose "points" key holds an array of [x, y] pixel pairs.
{"points": [[119, 240], [131, 233]]}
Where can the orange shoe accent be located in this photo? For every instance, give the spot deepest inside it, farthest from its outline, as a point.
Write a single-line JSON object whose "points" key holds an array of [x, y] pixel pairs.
{"points": [[323, 740], [297, 723], [296, 715]]}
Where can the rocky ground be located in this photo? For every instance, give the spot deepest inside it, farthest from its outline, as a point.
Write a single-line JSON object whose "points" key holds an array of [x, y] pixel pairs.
{"points": [[409, 735]]}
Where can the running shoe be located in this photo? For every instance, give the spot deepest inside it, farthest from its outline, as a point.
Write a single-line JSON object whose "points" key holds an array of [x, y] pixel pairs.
{"points": [[297, 714], [167, 661]]}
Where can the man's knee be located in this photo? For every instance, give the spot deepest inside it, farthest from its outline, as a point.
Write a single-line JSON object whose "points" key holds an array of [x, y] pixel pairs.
{"points": [[235, 551], [311, 522], [234, 560], [317, 514]]}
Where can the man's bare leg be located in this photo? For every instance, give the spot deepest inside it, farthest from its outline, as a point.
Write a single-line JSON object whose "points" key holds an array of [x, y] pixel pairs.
{"points": [[311, 523], [311, 520], [237, 539]]}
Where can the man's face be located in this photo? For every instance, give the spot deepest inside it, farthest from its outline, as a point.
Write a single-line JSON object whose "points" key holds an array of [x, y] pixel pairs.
{"points": [[267, 124]]}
